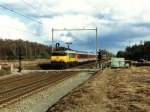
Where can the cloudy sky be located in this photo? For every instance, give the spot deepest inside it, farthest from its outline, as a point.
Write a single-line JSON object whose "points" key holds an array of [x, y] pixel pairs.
{"points": [[119, 22]]}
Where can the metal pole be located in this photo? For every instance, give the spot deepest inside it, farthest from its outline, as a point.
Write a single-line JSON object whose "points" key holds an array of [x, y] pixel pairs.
{"points": [[20, 57], [96, 49], [65, 29], [52, 39]]}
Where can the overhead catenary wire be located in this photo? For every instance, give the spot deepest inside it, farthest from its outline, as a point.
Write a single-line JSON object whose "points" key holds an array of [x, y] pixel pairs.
{"points": [[23, 15], [24, 31], [18, 13], [30, 5]]}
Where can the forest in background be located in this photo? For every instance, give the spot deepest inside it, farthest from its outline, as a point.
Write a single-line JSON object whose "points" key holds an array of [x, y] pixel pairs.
{"points": [[10, 49], [136, 52]]}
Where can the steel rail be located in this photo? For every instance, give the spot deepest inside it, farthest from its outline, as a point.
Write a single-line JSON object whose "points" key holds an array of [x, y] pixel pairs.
{"points": [[17, 92], [15, 85]]}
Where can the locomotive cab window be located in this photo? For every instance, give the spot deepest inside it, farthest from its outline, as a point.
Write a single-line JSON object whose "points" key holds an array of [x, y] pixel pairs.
{"points": [[59, 54]]}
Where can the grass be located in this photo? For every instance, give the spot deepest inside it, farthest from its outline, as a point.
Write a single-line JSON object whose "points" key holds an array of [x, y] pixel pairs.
{"points": [[4, 72], [128, 90]]}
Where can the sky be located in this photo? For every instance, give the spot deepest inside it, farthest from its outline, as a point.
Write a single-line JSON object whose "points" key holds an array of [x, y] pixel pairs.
{"points": [[120, 23]]}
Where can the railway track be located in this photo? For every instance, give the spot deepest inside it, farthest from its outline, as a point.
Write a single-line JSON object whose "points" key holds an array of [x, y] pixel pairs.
{"points": [[89, 65], [21, 85], [17, 86], [49, 66]]}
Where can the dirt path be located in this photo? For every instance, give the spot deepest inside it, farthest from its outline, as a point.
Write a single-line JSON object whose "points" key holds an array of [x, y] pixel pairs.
{"points": [[117, 90]]}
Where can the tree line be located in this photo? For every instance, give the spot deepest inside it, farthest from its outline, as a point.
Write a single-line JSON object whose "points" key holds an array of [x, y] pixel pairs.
{"points": [[136, 52], [10, 49], [104, 54]]}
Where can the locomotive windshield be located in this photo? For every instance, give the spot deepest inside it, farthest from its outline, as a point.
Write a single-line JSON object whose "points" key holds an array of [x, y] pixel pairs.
{"points": [[59, 54]]}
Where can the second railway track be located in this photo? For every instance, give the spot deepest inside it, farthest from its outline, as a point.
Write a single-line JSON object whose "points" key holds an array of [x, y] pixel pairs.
{"points": [[20, 85]]}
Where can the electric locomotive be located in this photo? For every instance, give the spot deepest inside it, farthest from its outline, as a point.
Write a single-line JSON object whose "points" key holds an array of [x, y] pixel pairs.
{"points": [[68, 58]]}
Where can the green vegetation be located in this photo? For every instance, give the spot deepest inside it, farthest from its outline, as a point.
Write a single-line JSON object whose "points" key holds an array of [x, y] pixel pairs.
{"points": [[9, 49], [136, 52], [4, 72]]}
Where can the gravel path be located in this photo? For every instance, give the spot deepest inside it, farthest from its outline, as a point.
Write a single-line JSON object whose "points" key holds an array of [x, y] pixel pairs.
{"points": [[89, 97]]}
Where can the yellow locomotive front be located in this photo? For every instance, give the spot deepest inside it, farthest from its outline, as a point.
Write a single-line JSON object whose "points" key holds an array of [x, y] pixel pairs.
{"points": [[63, 56]]}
